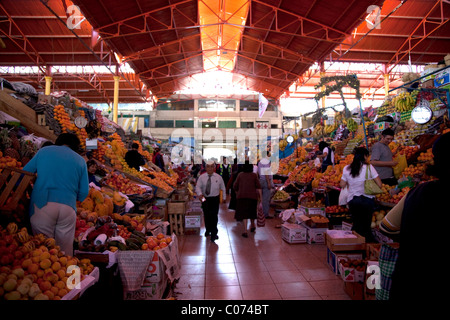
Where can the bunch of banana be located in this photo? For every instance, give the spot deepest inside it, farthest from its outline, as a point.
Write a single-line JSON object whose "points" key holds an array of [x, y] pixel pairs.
{"points": [[282, 144], [404, 102], [339, 117], [352, 125], [318, 130], [280, 195]]}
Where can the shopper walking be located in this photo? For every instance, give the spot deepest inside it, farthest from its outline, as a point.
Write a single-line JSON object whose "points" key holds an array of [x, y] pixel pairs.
{"points": [[133, 158], [382, 158], [410, 279], [236, 170], [361, 205], [62, 180], [225, 171], [208, 190], [266, 181], [248, 192]]}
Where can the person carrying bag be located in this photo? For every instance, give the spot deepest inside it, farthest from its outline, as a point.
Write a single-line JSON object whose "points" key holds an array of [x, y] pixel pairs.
{"points": [[360, 198]]}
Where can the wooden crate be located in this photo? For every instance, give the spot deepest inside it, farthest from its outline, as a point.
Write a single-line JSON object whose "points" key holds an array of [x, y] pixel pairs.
{"points": [[176, 207], [176, 222], [373, 249], [13, 186]]}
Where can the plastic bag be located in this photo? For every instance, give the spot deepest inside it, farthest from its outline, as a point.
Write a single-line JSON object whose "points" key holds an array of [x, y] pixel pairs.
{"points": [[343, 196], [261, 219], [401, 165]]}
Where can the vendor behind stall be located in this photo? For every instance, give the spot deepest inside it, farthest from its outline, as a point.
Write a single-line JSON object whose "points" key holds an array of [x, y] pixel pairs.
{"points": [[133, 158], [382, 158], [92, 168]]}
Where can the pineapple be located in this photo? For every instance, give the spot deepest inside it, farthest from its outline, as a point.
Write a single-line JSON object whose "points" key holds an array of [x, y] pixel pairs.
{"points": [[27, 150], [8, 145]]}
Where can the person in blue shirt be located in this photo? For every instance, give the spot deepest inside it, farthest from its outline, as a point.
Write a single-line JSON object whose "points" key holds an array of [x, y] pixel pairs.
{"points": [[62, 180]]}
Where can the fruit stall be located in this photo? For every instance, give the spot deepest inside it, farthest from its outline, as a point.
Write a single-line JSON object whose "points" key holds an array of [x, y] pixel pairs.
{"points": [[317, 216], [123, 221]]}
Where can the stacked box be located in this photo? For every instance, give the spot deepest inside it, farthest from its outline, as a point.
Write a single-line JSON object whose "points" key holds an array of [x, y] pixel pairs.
{"points": [[313, 211], [341, 240], [315, 235], [334, 257], [192, 222], [293, 233]]}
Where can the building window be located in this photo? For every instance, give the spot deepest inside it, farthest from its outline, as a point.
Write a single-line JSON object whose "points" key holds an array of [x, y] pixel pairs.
{"points": [[167, 104], [227, 124], [208, 124], [245, 124], [216, 105], [274, 126], [184, 123], [247, 105], [163, 123], [146, 121]]}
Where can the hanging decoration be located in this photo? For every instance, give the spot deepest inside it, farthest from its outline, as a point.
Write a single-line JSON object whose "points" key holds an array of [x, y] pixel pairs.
{"points": [[339, 82]]}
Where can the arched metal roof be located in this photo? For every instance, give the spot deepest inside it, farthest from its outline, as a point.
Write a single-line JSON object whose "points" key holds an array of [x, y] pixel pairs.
{"points": [[162, 40]]}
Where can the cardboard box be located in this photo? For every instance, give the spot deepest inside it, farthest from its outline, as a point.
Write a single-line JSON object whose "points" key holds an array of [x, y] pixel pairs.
{"points": [[334, 257], [428, 84], [293, 233], [310, 223], [343, 243], [350, 274], [45, 99], [369, 293], [193, 220], [442, 78], [315, 235], [153, 291], [373, 249], [380, 126], [176, 207], [155, 271], [180, 197], [355, 290], [313, 211]]}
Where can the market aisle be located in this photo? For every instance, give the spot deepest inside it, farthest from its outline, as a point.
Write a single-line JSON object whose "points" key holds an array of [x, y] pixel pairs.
{"points": [[260, 267]]}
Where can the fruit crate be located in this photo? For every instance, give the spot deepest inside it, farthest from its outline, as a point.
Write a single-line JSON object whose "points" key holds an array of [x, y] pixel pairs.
{"points": [[176, 222], [14, 186]]}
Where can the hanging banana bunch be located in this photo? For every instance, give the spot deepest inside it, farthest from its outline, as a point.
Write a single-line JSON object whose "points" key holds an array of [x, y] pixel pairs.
{"points": [[352, 125]]}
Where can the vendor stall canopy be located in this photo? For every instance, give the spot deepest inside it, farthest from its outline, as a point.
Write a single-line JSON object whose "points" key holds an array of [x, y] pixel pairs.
{"points": [[266, 46]]}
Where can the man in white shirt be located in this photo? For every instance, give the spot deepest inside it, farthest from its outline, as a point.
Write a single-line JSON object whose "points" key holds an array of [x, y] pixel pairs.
{"points": [[208, 190]]}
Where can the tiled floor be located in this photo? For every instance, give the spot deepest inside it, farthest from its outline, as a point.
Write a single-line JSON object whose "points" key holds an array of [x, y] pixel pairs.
{"points": [[260, 267]]}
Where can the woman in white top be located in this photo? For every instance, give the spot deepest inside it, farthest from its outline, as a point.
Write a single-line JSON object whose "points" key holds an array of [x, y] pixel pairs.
{"points": [[360, 204]]}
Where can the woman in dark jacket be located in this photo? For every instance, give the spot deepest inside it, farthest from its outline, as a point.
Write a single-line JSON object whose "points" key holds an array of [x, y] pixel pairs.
{"points": [[236, 169], [248, 192]]}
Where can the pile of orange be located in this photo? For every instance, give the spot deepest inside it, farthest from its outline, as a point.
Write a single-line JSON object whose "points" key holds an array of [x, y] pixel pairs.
{"points": [[426, 156], [60, 114], [9, 162], [99, 152]]}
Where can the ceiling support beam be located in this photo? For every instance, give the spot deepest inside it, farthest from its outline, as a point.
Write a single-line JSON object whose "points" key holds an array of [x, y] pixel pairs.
{"points": [[415, 38], [21, 40]]}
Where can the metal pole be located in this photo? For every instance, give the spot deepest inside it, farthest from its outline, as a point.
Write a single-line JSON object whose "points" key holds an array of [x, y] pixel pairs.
{"points": [[364, 123]]}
